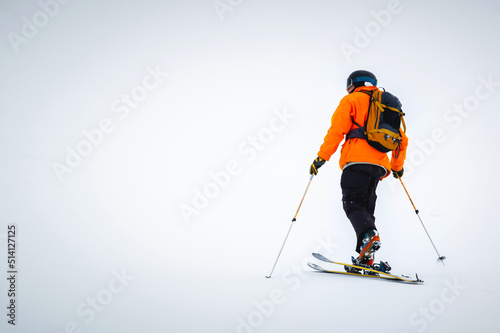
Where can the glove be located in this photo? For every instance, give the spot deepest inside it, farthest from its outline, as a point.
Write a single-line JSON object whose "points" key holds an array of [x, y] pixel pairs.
{"points": [[317, 163], [398, 174]]}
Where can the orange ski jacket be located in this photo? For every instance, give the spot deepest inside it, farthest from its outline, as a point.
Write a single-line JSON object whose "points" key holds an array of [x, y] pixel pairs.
{"points": [[355, 107]]}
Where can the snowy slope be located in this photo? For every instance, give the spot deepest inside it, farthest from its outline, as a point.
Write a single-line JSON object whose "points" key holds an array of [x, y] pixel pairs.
{"points": [[155, 152]]}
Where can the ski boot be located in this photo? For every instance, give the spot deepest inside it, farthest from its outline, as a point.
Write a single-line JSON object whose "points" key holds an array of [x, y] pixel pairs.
{"points": [[369, 244]]}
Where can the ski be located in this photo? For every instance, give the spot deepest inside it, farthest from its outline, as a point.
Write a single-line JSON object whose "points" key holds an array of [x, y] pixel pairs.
{"points": [[381, 275]]}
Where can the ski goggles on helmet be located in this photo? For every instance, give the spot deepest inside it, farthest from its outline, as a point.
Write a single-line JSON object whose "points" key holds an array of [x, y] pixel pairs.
{"points": [[351, 81]]}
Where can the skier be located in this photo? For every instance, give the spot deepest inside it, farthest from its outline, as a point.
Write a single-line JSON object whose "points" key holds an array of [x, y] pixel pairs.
{"points": [[363, 166]]}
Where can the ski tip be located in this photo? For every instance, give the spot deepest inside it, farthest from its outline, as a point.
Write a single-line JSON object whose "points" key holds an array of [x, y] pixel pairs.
{"points": [[314, 266], [319, 256]]}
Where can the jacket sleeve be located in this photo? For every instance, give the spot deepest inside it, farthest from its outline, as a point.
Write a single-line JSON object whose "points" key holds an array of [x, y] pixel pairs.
{"points": [[340, 126], [399, 155]]}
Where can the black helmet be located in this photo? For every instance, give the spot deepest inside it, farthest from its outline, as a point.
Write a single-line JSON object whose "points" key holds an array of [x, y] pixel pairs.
{"points": [[358, 79]]}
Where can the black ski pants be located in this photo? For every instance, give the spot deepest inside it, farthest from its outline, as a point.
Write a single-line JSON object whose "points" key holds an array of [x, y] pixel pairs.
{"points": [[359, 184]]}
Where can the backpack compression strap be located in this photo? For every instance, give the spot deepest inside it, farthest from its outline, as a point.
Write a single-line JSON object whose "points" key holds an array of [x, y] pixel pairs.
{"points": [[381, 106]]}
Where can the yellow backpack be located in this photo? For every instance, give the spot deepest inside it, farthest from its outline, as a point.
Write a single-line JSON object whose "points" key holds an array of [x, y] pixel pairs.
{"points": [[383, 122]]}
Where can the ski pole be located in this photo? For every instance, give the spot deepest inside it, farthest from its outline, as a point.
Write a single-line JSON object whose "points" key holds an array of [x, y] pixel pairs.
{"points": [[289, 229], [440, 258]]}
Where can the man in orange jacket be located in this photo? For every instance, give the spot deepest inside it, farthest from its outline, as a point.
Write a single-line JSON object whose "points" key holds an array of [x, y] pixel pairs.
{"points": [[363, 166]]}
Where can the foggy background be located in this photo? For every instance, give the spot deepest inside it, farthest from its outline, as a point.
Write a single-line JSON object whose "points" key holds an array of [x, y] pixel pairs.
{"points": [[155, 152]]}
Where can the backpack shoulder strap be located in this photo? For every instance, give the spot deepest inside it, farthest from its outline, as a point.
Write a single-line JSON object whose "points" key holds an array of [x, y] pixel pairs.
{"points": [[360, 132]]}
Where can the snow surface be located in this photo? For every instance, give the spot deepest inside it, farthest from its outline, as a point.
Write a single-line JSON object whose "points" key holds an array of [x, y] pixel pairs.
{"points": [[106, 248]]}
